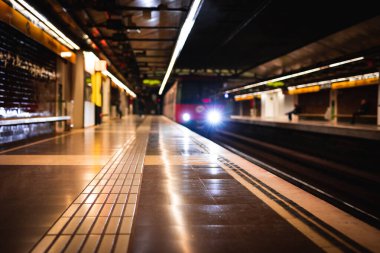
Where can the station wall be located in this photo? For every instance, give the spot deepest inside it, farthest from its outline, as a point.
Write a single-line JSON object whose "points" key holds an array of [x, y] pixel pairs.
{"points": [[28, 84]]}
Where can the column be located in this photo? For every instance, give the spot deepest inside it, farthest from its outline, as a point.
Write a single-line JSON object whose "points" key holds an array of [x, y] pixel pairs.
{"points": [[123, 102], [63, 93], [78, 94], [378, 104], [106, 107], [334, 105]]}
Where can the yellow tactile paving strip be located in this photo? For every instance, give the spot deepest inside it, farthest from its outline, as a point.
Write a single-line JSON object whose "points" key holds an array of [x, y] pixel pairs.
{"points": [[180, 160], [100, 219]]}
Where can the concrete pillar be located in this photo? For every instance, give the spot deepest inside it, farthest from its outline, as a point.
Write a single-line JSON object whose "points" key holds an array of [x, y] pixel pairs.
{"points": [[378, 104], [64, 78], [106, 106], [62, 92], [132, 104], [78, 92], [334, 105]]}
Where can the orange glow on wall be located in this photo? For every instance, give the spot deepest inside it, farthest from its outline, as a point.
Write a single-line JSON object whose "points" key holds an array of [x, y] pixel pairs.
{"points": [[15, 19], [355, 83], [310, 89], [244, 97]]}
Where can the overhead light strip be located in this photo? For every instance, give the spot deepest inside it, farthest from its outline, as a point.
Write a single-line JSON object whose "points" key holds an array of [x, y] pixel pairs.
{"points": [[294, 75], [29, 12], [367, 76], [119, 83], [336, 80], [184, 33]]}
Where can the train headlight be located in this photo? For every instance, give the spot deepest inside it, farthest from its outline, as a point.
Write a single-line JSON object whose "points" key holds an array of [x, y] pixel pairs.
{"points": [[214, 117], [186, 117]]}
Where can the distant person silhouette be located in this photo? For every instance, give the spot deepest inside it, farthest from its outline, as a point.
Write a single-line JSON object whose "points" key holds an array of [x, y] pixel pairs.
{"points": [[296, 110], [141, 106], [363, 109], [118, 110]]}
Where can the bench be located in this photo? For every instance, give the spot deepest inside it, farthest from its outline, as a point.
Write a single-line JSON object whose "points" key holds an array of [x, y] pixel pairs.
{"points": [[361, 116], [365, 118], [19, 130], [312, 116], [33, 120]]}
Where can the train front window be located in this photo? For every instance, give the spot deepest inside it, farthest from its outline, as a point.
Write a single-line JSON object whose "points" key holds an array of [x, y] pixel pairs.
{"points": [[198, 92], [190, 93]]}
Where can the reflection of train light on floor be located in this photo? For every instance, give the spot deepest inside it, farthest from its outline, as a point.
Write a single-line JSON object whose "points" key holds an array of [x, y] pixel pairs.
{"points": [[191, 101]]}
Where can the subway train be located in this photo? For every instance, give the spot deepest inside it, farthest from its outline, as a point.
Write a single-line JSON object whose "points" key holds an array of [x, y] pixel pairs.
{"points": [[193, 101]]}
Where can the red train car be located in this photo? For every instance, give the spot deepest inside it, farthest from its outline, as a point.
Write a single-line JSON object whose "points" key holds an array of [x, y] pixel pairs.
{"points": [[192, 101]]}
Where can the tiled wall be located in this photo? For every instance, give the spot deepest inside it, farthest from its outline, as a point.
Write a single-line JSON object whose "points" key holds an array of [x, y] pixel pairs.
{"points": [[27, 84]]}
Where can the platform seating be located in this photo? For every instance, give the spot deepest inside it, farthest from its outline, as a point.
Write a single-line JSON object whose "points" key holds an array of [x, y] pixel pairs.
{"points": [[311, 116], [362, 119]]}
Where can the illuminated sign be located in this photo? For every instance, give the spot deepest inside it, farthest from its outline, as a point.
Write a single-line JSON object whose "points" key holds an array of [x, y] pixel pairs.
{"points": [[275, 84], [92, 63], [66, 54], [309, 89], [100, 65], [244, 97], [355, 83], [151, 82]]}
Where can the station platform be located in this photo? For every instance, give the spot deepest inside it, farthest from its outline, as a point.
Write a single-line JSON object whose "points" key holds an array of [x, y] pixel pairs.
{"points": [[363, 131], [150, 185]]}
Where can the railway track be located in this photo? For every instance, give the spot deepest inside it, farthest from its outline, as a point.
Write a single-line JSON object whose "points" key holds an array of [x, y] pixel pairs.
{"points": [[352, 190]]}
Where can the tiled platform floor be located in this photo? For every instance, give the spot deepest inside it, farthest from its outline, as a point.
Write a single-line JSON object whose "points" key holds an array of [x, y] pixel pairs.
{"points": [[154, 186]]}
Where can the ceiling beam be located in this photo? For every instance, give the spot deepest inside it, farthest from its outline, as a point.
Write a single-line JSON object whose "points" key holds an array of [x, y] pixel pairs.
{"points": [[152, 56], [113, 7], [132, 27], [137, 8], [154, 62], [133, 69], [122, 38], [152, 49]]}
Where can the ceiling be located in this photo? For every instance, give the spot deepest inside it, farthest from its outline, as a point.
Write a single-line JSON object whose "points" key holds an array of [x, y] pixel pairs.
{"points": [[230, 37], [137, 37], [240, 34]]}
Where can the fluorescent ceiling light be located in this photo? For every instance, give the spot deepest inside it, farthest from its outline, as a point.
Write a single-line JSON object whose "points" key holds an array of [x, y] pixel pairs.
{"points": [[185, 31], [258, 93], [342, 79], [25, 9], [90, 60], [345, 62], [294, 75], [350, 78], [119, 83], [66, 54]]}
